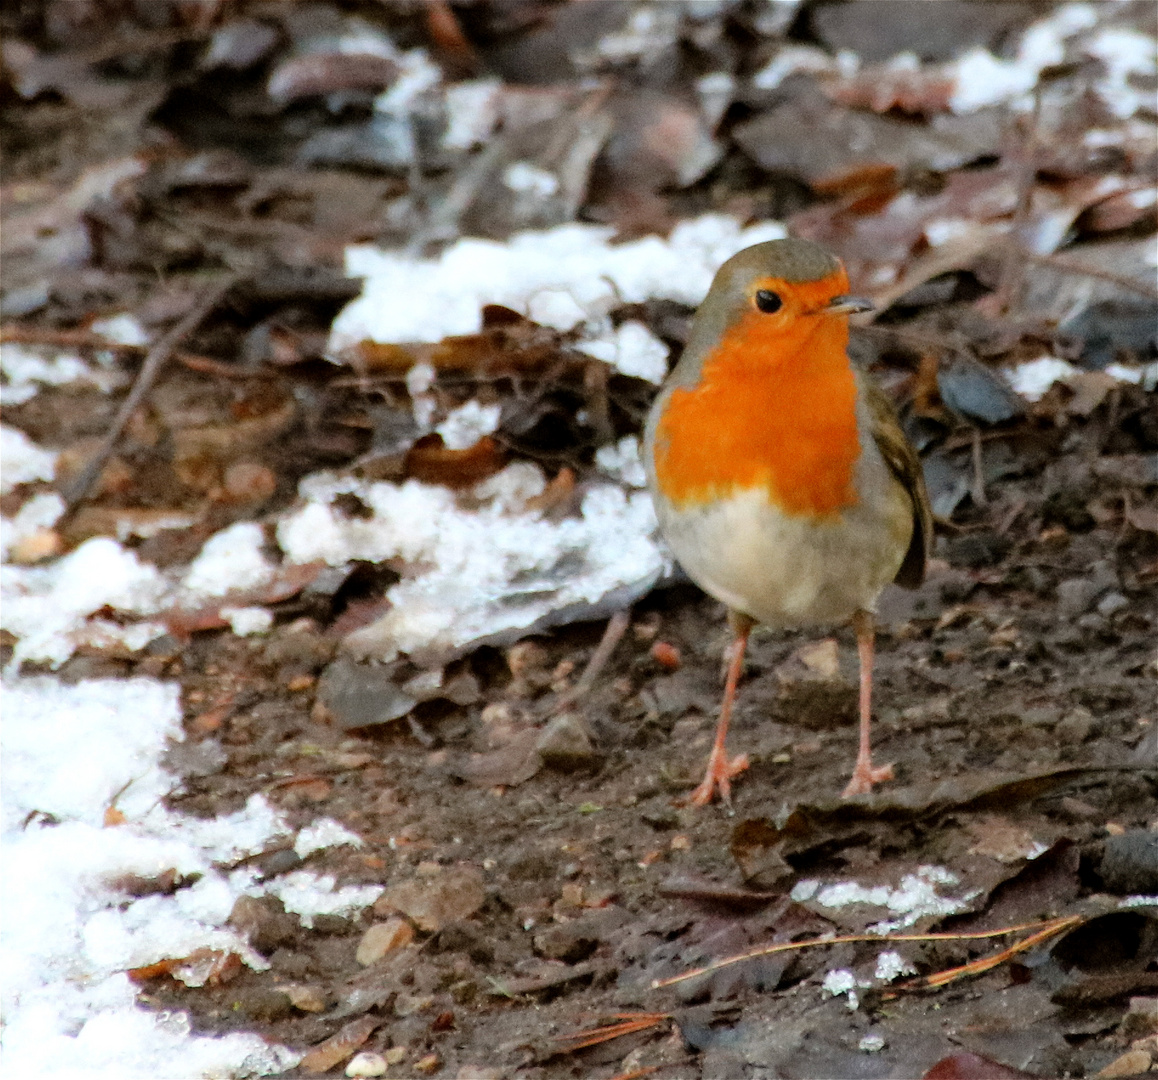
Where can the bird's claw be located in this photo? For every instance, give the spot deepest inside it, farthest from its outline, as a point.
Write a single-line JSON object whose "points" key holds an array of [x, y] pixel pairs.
{"points": [[719, 775], [864, 776]]}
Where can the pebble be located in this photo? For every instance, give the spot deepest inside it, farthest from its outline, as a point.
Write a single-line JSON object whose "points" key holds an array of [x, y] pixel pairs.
{"points": [[1131, 1063], [565, 942], [1074, 596], [1141, 1018], [380, 939], [352, 695], [564, 743], [1075, 727], [367, 1064], [1111, 604], [264, 922], [1130, 863]]}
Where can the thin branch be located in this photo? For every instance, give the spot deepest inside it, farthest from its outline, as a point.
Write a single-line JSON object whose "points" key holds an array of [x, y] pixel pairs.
{"points": [[1048, 927], [1068, 267], [155, 361], [616, 627]]}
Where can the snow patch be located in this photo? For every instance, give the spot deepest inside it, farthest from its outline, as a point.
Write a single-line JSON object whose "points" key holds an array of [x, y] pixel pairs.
{"points": [[308, 895], [575, 268], [1033, 379], [632, 350], [477, 572], [230, 560], [46, 607], [22, 461], [69, 933], [464, 426], [324, 833]]}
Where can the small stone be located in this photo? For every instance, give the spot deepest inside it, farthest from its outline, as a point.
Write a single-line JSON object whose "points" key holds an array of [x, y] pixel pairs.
{"points": [[262, 1003], [409, 1004], [1129, 865], [352, 695], [872, 1043], [264, 921], [1103, 576], [383, 938], [427, 1064], [35, 547], [1131, 1063], [367, 1064], [1074, 596], [1141, 1018], [247, 481], [564, 743], [1111, 604], [1077, 810], [1092, 623], [1075, 727], [306, 997], [433, 902], [564, 942], [395, 1055]]}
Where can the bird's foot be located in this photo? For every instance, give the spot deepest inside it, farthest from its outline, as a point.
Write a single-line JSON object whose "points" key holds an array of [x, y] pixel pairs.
{"points": [[719, 775], [864, 776]]}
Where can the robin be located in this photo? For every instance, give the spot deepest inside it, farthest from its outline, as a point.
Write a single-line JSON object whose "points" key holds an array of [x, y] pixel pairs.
{"points": [[781, 477]]}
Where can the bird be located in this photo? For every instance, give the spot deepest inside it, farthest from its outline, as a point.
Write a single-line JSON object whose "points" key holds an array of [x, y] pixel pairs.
{"points": [[782, 480]]}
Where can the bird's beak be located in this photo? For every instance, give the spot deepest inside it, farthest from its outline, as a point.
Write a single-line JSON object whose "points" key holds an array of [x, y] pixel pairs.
{"points": [[846, 305]]}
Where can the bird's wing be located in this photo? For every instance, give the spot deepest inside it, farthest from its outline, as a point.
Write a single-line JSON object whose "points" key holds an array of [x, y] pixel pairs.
{"points": [[905, 465]]}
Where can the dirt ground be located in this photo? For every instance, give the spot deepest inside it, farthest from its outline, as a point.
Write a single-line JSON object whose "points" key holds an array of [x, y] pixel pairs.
{"points": [[541, 865]]}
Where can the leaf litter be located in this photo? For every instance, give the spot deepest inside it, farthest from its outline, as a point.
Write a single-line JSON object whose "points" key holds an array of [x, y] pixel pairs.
{"points": [[406, 439]]}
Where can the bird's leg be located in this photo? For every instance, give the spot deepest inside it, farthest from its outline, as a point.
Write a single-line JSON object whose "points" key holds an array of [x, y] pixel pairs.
{"points": [[720, 770], [864, 775]]}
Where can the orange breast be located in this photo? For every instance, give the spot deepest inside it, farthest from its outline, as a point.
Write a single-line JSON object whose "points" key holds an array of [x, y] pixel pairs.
{"points": [[772, 410]]}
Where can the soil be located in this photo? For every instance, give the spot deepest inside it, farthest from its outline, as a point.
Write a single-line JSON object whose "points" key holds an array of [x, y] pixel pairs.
{"points": [[1006, 716], [541, 864]]}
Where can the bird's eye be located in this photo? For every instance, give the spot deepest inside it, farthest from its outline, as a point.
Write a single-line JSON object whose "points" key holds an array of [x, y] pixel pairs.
{"points": [[768, 301]]}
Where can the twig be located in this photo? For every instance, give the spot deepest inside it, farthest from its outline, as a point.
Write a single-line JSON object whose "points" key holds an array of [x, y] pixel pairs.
{"points": [[979, 967], [1013, 264], [616, 627], [1067, 267], [1050, 926], [627, 1024], [978, 490], [154, 363], [86, 339]]}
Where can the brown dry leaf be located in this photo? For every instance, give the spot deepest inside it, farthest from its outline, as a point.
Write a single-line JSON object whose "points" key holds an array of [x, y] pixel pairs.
{"points": [[1120, 211], [511, 764], [207, 967], [202, 454], [881, 88], [556, 495], [1000, 839], [113, 817], [433, 902], [323, 1057], [288, 581], [504, 347], [1143, 518], [430, 461], [322, 73], [1090, 389], [202, 967]]}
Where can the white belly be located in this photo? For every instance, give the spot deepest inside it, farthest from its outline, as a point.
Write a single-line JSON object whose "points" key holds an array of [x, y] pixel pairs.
{"points": [[793, 571]]}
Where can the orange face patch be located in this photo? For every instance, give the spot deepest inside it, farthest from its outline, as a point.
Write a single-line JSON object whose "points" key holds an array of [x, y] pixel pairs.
{"points": [[775, 409]]}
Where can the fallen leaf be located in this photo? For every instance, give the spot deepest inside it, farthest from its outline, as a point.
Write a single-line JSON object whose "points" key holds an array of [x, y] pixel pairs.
{"points": [[323, 1057]]}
